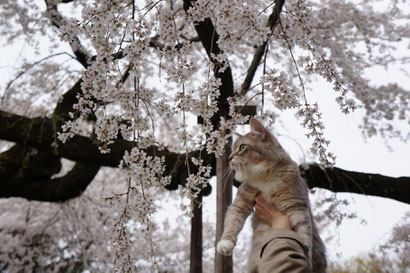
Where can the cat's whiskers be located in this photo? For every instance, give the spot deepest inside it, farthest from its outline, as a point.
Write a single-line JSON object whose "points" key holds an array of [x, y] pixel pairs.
{"points": [[225, 177]]}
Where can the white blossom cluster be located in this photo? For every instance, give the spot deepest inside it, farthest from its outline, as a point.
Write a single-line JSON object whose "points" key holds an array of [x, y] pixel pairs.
{"points": [[316, 60], [145, 178], [312, 121], [111, 32], [139, 166], [179, 66], [194, 184], [106, 129], [208, 93], [339, 49], [283, 93], [229, 13], [286, 96]]}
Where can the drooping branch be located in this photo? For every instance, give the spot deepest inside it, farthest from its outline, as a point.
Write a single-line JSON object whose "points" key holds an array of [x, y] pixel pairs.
{"points": [[339, 180], [209, 38], [260, 50]]}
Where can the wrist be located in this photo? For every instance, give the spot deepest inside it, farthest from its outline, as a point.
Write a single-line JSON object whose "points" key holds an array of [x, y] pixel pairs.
{"points": [[281, 222]]}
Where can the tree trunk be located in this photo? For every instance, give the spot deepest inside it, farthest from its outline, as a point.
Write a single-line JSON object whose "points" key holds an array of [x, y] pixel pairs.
{"points": [[223, 264], [195, 265]]}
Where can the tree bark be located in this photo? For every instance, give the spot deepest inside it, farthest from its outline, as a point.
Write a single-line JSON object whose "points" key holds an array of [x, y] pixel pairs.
{"points": [[223, 264], [339, 180], [195, 264], [26, 172]]}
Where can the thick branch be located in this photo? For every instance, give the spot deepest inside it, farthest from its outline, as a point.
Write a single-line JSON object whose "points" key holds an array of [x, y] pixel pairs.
{"points": [[60, 189], [339, 180], [260, 50], [40, 133], [65, 105], [57, 20], [209, 37], [26, 172], [23, 161]]}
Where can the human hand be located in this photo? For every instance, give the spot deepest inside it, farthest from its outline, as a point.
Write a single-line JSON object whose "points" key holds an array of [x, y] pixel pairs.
{"points": [[270, 214]]}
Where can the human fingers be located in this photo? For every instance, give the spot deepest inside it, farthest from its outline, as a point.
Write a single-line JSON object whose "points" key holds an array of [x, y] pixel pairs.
{"points": [[259, 208], [263, 214], [266, 205], [261, 201]]}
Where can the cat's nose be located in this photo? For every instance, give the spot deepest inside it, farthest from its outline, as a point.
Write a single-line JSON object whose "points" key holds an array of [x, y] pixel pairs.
{"points": [[230, 157]]}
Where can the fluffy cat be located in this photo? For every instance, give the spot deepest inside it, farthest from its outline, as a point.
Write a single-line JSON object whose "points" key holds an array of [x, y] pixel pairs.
{"points": [[263, 166]]}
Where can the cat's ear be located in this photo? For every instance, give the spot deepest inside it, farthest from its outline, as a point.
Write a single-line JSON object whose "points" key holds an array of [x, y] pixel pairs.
{"points": [[257, 127]]}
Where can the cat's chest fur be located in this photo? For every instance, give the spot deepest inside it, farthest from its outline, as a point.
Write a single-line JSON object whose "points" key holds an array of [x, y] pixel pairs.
{"points": [[265, 187]]}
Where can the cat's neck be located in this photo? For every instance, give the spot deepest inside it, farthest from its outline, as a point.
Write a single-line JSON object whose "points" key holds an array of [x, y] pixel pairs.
{"points": [[268, 177], [266, 186]]}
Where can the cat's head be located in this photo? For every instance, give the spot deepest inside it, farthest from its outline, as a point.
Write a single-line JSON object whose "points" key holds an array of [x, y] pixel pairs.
{"points": [[255, 154]]}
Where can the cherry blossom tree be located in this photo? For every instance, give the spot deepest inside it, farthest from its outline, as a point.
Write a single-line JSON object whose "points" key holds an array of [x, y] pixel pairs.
{"points": [[156, 88], [381, 259]]}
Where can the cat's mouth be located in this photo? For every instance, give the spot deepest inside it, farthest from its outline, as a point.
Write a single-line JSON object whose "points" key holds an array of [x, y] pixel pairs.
{"points": [[235, 165], [238, 168]]}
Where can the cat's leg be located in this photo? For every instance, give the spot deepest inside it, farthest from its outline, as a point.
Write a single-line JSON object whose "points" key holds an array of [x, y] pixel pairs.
{"points": [[319, 261], [235, 217], [298, 210], [302, 224]]}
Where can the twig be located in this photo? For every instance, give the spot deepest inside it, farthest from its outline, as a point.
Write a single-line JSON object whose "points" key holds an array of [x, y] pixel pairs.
{"points": [[31, 66]]}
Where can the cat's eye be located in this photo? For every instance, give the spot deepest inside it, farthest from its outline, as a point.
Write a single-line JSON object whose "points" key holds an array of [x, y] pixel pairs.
{"points": [[242, 147]]}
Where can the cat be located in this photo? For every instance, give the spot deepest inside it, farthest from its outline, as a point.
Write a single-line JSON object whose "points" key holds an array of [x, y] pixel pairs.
{"points": [[262, 165]]}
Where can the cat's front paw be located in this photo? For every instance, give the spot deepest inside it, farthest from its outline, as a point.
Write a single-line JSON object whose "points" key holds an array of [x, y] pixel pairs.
{"points": [[225, 247]]}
